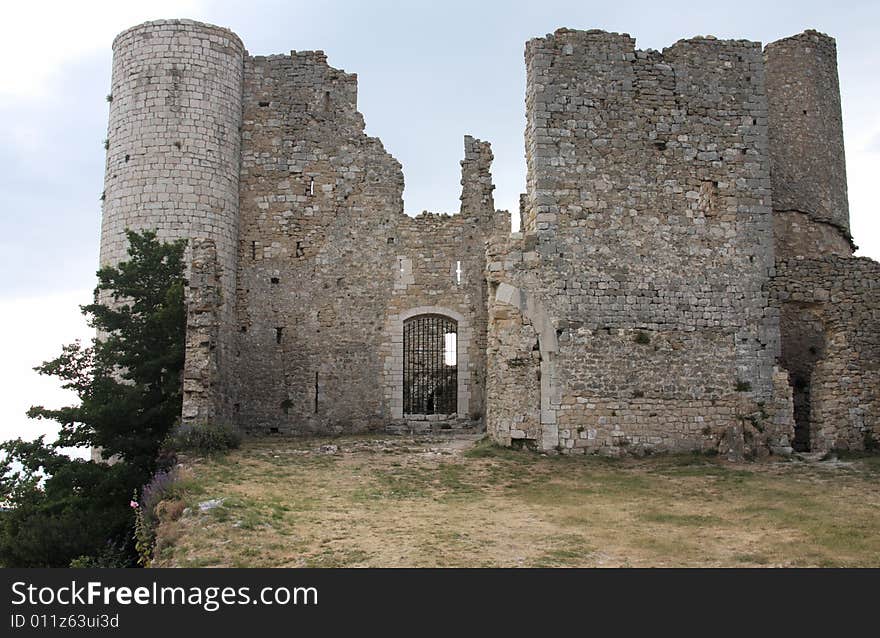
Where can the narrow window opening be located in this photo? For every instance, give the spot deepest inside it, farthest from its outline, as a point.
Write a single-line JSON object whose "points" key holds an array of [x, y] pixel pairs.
{"points": [[254, 250], [278, 333], [391, 240], [273, 430], [326, 100], [299, 249], [311, 186], [244, 328], [264, 104], [274, 280], [450, 354], [316, 391], [458, 272]]}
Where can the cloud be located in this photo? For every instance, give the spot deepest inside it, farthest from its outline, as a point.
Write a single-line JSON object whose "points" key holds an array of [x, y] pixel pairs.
{"points": [[35, 329], [37, 39]]}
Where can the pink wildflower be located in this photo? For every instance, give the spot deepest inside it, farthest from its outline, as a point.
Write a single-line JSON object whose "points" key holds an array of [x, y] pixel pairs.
{"points": [[134, 504]]}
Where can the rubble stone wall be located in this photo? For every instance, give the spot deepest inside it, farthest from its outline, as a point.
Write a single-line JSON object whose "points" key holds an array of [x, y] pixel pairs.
{"points": [[683, 279], [647, 241], [329, 263], [834, 302]]}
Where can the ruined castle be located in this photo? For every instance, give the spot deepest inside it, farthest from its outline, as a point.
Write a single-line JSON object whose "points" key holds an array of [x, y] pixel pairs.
{"points": [[683, 279]]}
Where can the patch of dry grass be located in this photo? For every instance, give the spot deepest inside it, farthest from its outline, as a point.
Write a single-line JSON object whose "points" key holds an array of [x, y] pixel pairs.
{"points": [[425, 502]]}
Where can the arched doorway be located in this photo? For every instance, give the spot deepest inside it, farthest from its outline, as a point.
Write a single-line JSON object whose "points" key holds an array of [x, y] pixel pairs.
{"points": [[430, 365]]}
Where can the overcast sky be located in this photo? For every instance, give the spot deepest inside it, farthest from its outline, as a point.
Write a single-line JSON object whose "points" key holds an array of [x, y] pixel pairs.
{"points": [[428, 72]]}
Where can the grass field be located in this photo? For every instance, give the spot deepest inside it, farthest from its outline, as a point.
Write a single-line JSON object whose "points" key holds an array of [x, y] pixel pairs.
{"points": [[441, 502]]}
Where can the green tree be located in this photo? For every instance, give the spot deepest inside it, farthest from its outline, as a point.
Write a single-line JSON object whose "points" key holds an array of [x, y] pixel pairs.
{"points": [[128, 382]]}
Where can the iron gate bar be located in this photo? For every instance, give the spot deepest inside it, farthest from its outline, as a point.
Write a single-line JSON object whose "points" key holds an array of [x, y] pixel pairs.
{"points": [[430, 386]]}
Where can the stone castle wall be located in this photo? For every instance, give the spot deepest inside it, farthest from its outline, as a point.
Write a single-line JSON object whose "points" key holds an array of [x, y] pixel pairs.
{"points": [[828, 300], [328, 263], [685, 232], [647, 248], [832, 348]]}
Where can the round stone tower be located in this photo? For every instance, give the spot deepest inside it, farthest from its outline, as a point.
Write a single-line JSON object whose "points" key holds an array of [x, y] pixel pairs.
{"points": [[808, 172], [174, 140]]}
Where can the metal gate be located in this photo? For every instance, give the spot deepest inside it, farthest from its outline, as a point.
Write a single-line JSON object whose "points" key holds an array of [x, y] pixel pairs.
{"points": [[430, 365]]}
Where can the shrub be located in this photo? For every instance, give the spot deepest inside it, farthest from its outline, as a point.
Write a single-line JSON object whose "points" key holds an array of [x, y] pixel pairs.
{"points": [[112, 555], [157, 490], [743, 386], [204, 438], [149, 510], [642, 338]]}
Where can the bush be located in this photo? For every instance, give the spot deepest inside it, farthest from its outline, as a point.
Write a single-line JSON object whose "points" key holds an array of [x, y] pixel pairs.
{"points": [[147, 512], [642, 338], [204, 438], [112, 555]]}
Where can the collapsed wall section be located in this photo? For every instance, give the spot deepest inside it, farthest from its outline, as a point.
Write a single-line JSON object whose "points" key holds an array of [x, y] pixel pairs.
{"points": [[647, 247], [329, 265], [173, 149], [834, 354], [828, 300]]}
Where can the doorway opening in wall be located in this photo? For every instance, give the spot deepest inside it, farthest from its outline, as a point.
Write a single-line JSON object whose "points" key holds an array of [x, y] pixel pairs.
{"points": [[803, 346], [430, 365]]}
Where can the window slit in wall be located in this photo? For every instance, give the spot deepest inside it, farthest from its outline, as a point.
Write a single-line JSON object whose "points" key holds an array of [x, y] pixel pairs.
{"points": [[316, 391], [311, 186], [278, 332], [458, 272], [253, 250]]}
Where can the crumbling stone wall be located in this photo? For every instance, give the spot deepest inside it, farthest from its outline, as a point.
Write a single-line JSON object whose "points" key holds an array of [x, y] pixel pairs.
{"points": [[202, 376], [827, 299], [648, 242], [640, 309], [328, 263], [834, 302]]}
